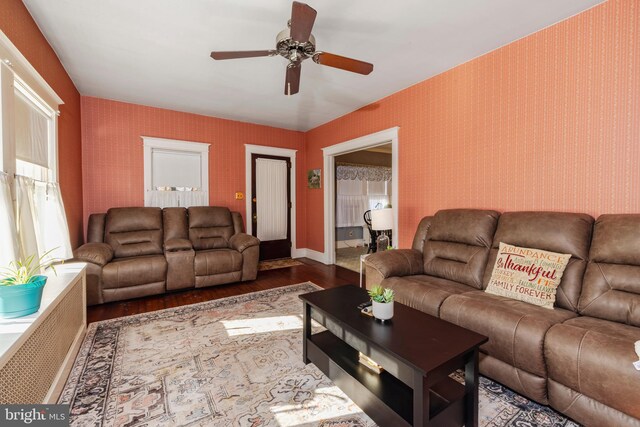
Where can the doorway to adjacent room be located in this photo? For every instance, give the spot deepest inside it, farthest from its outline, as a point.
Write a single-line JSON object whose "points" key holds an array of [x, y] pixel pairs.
{"points": [[360, 175], [362, 183]]}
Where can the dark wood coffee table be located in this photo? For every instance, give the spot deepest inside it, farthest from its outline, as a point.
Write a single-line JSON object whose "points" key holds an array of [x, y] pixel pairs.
{"points": [[416, 350]]}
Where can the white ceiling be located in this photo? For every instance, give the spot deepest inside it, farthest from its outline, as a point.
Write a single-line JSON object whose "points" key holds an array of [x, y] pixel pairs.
{"points": [[156, 52]]}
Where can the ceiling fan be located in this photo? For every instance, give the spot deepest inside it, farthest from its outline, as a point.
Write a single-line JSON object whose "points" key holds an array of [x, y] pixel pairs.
{"points": [[296, 43]]}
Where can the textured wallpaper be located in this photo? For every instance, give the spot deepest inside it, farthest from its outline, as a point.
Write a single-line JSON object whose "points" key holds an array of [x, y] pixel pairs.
{"points": [[549, 122], [113, 163], [19, 26]]}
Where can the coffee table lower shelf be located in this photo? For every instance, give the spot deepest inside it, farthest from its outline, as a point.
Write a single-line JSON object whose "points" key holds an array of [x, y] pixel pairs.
{"points": [[386, 399]]}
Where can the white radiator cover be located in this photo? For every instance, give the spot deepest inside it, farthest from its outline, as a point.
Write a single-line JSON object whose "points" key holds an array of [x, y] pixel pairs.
{"points": [[35, 363]]}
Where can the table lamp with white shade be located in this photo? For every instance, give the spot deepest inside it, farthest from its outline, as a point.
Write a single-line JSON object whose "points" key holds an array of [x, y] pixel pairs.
{"points": [[382, 220]]}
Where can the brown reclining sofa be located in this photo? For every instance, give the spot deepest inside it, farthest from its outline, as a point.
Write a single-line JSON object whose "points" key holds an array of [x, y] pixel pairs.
{"points": [[577, 357], [135, 252]]}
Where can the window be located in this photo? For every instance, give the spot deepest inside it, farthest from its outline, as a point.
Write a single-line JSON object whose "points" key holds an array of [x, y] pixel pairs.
{"points": [[176, 173], [34, 133], [32, 213]]}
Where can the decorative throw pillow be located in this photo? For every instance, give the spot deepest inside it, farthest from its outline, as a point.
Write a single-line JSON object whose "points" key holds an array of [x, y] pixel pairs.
{"points": [[529, 275]]}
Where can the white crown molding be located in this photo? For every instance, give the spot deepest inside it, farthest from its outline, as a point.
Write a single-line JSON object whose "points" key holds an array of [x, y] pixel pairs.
{"points": [[311, 254]]}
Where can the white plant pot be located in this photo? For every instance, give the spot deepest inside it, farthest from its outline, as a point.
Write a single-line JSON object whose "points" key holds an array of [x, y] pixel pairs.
{"points": [[382, 310]]}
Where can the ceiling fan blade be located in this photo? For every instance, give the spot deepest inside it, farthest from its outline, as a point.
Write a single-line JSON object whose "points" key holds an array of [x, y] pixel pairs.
{"points": [[302, 18], [342, 62], [235, 54], [292, 82]]}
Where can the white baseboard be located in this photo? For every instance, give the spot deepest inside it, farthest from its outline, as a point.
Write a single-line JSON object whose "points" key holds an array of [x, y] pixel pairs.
{"points": [[298, 253], [311, 254]]}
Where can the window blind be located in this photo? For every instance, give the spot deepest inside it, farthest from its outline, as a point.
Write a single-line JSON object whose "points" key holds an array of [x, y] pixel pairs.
{"points": [[176, 169], [31, 131]]}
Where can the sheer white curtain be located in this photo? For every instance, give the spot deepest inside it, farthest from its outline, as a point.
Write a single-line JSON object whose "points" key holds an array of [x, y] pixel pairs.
{"points": [[9, 244], [355, 196], [41, 220], [351, 202], [271, 199], [377, 194], [167, 199], [52, 232], [26, 216]]}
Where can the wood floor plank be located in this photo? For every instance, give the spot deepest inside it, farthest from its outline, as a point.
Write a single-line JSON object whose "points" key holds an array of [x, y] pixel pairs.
{"points": [[326, 276]]}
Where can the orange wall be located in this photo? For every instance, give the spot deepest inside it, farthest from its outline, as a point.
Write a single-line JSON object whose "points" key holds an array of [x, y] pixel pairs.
{"points": [[113, 163], [549, 122], [19, 26]]}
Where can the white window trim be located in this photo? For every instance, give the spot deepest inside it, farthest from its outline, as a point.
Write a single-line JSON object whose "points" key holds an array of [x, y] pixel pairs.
{"points": [[14, 64], [10, 54], [150, 143], [368, 141], [280, 152]]}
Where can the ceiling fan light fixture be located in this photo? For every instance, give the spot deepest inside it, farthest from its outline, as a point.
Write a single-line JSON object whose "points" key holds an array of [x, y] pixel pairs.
{"points": [[296, 43]]}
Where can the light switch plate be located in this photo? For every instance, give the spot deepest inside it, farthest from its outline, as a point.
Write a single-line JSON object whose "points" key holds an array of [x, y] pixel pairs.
{"points": [[239, 195]]}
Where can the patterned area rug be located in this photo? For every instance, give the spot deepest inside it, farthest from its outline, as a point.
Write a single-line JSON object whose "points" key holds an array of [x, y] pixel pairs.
{"points": [[273, 264], [230, 362]]}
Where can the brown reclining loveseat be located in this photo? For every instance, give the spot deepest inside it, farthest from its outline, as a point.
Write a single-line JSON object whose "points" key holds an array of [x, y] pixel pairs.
{"points": [[135, 252], [578, 357]]}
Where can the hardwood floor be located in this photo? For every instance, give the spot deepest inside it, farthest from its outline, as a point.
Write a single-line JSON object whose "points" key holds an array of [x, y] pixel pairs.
{"points": [[326, 276]]}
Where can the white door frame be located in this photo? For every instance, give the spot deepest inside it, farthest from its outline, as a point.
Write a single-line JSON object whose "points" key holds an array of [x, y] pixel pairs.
{"points": [[271, 151], [368, 141]]}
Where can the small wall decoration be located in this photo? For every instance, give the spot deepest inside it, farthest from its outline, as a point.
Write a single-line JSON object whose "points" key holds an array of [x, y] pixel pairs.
{"points": [[313, 178]]}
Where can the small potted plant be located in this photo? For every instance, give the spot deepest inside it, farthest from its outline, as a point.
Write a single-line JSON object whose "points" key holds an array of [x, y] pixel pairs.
{"points": [[382, 301], [21, 285]]}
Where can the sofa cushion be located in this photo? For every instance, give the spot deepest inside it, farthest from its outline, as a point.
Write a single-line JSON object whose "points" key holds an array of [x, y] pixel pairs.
{"points": [[611, 288], [584, 410], [139, 270], [176, 223], [565, 233], [594, 357], [424, 293], [217, 261], [210, 227], [134, 231], [529, 275], [457, 245], [515, 329]]}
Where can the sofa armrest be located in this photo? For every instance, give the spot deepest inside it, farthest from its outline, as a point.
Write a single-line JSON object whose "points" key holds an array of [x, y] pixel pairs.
{"points": [[177, 245], [398, 262], [242, 241], [95, 253]]}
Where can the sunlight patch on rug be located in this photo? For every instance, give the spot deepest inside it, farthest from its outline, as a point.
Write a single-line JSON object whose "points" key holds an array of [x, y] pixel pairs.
{"points": [[262, 325]]}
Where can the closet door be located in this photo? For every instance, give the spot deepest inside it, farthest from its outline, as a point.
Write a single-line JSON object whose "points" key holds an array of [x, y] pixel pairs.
{"points": [[271, 205]]}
